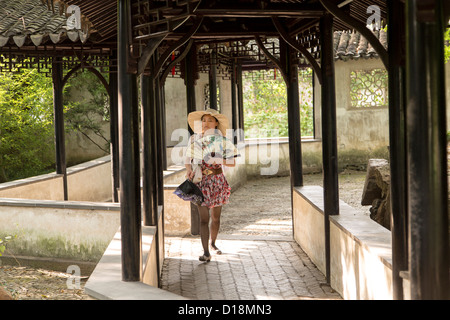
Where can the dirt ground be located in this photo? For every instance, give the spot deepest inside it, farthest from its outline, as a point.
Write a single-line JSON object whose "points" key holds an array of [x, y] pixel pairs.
{"points": [[260, 207], [263, 206]]}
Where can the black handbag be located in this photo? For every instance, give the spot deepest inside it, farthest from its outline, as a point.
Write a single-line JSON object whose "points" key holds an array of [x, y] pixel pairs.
{"points": [[189, 191]]}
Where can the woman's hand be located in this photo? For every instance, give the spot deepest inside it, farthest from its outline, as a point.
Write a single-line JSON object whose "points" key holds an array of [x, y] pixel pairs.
{"points": [[218, 159], [189, 173], [213, 158]]}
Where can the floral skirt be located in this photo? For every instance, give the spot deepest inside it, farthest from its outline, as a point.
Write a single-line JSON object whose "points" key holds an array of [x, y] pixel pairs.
{"points": [[215, 189]]}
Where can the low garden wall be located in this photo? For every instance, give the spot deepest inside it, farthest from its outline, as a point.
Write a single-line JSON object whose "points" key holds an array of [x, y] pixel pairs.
{"points": [[360, 248], [73, 230], [89, 181]]}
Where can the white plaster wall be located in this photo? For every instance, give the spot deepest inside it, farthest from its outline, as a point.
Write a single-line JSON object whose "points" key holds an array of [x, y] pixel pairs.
{"points": [[176, 108], [360, 129], [89, 181], [360, 249], [59, 232]]}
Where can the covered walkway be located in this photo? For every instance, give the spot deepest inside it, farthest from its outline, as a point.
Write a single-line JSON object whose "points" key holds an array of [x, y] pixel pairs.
{"points": [[260, 258]]}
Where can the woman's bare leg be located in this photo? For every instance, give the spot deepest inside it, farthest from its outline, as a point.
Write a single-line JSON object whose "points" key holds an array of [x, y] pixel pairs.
{"points": [[215, 226], [204, 228]]}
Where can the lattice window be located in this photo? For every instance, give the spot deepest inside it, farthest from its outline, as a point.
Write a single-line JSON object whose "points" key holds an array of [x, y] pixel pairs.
{"points": [[369, 88]]}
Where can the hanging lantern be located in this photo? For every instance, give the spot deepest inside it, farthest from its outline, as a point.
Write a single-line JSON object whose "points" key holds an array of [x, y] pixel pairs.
{"points": [[173, 68]]}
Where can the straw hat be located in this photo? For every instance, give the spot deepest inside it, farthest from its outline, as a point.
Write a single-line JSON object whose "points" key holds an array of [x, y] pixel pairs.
{"points": [[195, 116]]}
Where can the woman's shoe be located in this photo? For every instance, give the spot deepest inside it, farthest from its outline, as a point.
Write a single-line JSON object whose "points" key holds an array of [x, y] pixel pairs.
{"points": [[205, 258], [215, 249]]}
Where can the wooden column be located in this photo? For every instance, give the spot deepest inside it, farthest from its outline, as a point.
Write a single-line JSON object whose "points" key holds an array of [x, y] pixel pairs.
{"points": [[130, 195], [58, 112], [160, 145], [240, 100], [153, 118], [289, 60], [114, 129], [148, 156], [427, 151], [213, 81], [160, 166], [189, 80], [329, 138], [234, 109], [397, 143]]}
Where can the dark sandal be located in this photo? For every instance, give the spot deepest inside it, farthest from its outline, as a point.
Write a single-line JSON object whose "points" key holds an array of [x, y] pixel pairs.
{"points": [[205, 258]]}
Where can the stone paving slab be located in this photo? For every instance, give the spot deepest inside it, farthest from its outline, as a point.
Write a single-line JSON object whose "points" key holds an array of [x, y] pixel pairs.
{"points": [[249, 269]]}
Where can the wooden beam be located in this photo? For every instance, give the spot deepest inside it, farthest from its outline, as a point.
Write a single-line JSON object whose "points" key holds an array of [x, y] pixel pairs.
{"points": [[298, 47], [172, 64], [272, 9], [152, 44], [360, 27], [162, 59], [273, 59]]}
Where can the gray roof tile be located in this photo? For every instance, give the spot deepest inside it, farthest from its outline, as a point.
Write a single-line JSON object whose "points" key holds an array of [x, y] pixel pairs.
{"points": [[351, 45], [31, 20]]}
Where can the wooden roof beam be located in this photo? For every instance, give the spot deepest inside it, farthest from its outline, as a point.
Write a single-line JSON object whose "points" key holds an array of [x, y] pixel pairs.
{"points": [[294, 44], [249, 11], [360, 27]]}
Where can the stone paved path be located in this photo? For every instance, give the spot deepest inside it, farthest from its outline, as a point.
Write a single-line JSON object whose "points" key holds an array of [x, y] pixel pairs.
{"points": [[248, 269], [260, 259]]}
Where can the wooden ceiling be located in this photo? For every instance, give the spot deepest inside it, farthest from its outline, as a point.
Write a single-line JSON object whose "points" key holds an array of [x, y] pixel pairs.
{"points": [[227, 26]]}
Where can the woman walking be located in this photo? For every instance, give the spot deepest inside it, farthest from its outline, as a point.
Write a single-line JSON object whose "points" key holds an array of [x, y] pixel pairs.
{"points": [[209, 126]]}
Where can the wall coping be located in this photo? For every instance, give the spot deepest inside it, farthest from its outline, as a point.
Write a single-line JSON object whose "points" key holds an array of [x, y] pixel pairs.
{"points": [[88, 165], [363, 230], [79, 205], [53, 175], [105, 281]]}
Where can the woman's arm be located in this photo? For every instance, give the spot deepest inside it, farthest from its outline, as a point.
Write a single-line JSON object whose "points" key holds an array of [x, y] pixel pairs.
{"points": [[219, 160], [229, 162]]}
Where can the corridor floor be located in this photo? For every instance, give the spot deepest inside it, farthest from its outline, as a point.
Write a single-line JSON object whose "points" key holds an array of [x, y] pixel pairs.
{"points": [[259, 260], [249, 268]]}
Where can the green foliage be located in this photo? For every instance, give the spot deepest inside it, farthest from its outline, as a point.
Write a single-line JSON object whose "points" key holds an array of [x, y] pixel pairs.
{"points": [[27, 145], [368, 88], [265, 105], [26, 129], [86, 112], [4, 242], [447, 45]]}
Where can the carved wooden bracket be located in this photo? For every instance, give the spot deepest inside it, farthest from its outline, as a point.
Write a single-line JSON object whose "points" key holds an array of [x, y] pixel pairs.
{"points": [[176, 60], [273, 59], [289, 40], [162, 59]]}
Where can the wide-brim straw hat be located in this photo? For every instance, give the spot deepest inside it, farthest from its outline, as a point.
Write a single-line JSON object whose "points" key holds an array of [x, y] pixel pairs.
{"points": [[195, 118]]}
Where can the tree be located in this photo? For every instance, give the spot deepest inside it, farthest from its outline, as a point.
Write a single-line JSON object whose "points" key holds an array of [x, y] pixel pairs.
{"points": [[26, 119], [265, 104], [26, 125], [86, 107], [447, 45]]}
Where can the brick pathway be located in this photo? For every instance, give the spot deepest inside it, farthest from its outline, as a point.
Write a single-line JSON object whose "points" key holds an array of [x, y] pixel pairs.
{"points": [[249, 269]]}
